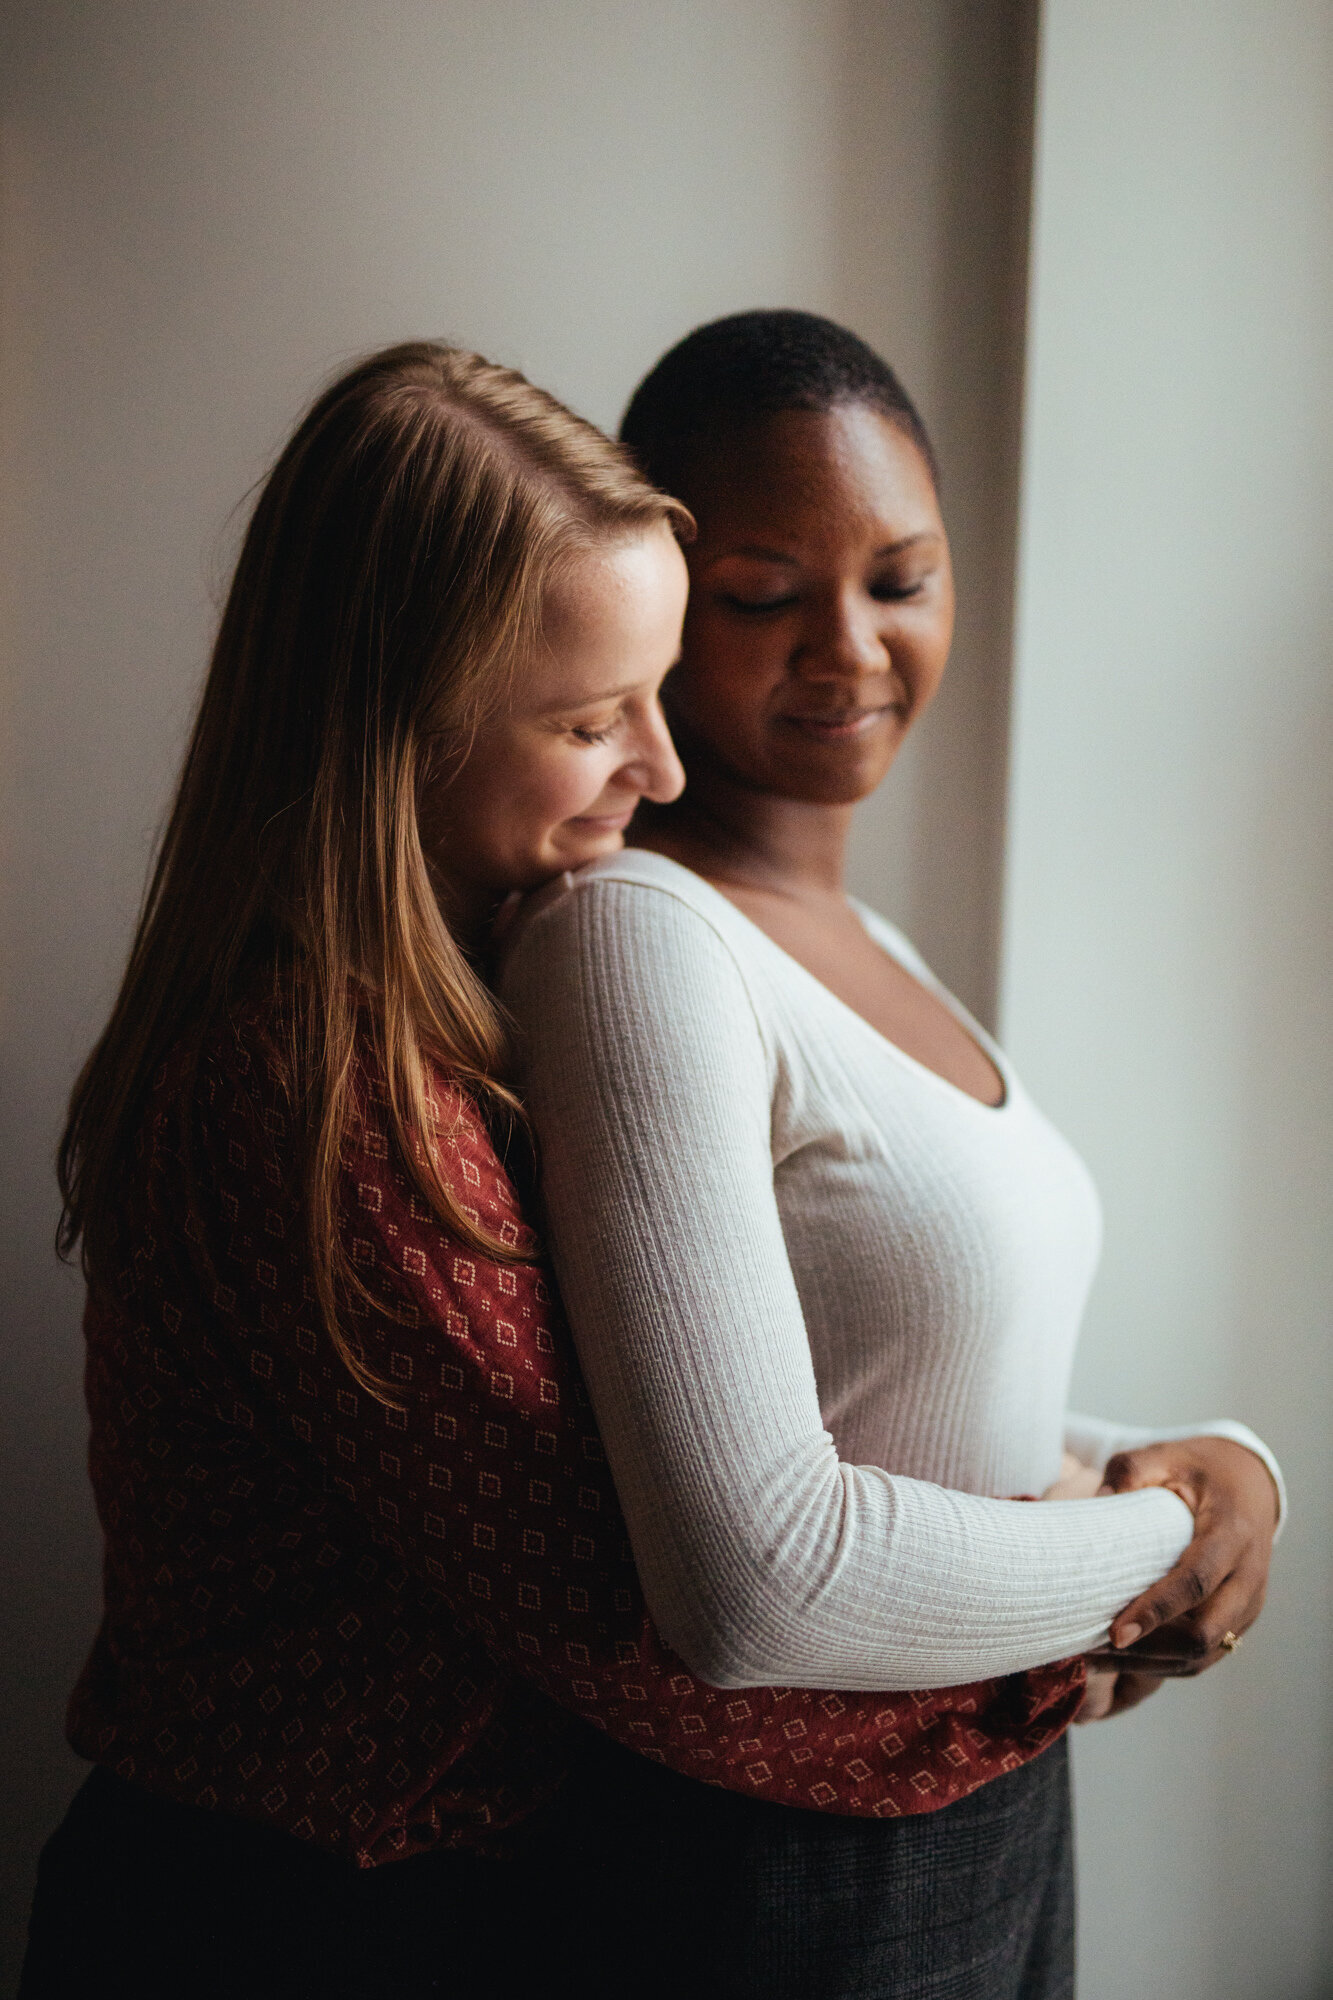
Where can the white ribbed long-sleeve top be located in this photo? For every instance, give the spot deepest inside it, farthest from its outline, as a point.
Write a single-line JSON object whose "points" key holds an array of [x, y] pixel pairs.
{"points": [[825, 1302]]}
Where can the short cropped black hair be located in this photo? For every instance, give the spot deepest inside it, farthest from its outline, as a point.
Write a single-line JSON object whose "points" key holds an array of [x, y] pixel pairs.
{"points": [[734, 372]]}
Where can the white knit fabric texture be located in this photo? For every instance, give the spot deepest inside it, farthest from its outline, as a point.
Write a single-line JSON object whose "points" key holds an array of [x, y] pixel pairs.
{"points": [[825, 1302]]}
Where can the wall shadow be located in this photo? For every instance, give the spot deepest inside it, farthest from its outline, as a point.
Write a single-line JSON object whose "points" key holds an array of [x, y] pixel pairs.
{"points": [[935, 178]]}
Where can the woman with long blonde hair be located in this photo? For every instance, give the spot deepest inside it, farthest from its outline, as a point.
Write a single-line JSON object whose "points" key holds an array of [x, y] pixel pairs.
{"points": [[367, 1582], [279, 1157]]}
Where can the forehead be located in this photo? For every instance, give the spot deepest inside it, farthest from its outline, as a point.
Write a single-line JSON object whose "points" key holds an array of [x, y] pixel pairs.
{"points": [[611, 618], [821, 474], [620, 586]]}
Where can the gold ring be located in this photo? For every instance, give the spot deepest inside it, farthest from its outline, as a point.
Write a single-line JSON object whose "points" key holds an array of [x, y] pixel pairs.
{"points": [[1230, 1641]]}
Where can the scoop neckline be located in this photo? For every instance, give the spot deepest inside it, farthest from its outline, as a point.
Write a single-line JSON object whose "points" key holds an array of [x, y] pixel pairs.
{"points": [[995, 1055]]}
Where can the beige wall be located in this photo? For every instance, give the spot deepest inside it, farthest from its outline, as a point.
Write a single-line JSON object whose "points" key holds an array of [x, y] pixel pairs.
{"points": [[933, 232], [1168, 984], [208, 207]]}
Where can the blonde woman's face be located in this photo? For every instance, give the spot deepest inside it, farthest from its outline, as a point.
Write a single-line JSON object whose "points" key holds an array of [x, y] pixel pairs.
{"points": [[552, 781]]}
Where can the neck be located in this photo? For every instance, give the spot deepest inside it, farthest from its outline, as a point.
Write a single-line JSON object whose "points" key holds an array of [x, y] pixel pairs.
{"points": [[468, 910], [727, 832]]}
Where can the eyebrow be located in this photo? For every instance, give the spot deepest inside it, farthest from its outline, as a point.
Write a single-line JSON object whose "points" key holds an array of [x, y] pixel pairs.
{"points": [[762, 554], [596, 700]]}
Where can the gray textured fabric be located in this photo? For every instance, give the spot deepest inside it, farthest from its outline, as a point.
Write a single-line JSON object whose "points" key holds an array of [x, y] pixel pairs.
{"points": [[793, 1258], [634, 1881], [671, 1888]]}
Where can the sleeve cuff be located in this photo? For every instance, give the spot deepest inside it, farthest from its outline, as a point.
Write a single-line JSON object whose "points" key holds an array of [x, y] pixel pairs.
{"points": [[1092, 1441]]}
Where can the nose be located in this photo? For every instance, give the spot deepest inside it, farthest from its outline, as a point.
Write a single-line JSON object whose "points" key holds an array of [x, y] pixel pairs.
{"points": [[843, 641], [655, 770]]}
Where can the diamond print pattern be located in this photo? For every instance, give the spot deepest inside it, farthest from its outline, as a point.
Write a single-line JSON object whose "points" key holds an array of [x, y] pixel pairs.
{"points": [[366, 1625]]}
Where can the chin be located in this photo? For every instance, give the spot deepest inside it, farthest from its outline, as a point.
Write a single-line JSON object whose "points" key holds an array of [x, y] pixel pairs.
{"points": [[833, 774], [832, 781], [591, 848]]}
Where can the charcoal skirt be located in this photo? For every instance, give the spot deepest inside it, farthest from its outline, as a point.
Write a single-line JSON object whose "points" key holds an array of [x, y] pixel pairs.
{"points": [[632, 1880]]}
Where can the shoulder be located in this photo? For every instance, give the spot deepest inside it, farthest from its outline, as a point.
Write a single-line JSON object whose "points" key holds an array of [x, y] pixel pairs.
{"points": [[246, 1107], [215, 1083], [636, 908], [634, 960], [455, 1136]]}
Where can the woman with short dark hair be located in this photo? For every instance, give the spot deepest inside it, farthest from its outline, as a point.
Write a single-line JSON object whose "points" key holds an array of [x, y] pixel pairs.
{"points": [[824, 1259]]}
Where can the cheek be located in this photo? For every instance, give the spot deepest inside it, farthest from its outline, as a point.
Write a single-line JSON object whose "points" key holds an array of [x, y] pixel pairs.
{"points": [[556, 785], [927, 652], [723, 682], [500, 817]]}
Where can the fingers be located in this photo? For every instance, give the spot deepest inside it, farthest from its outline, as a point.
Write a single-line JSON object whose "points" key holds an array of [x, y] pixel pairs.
{"points": [[1076, 1482], [1193, 1642], [1111, 1692], [1218, 1584], [1131, 1471], [1099, 1695], [1201, 1571], [1131, 1689], [1198, 1468]]}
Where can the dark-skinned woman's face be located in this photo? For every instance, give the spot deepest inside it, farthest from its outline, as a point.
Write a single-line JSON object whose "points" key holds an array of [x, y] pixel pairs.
{"points": [[821, 604]]}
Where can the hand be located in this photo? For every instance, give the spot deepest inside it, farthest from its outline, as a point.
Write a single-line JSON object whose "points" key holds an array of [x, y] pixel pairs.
{"points": [[1076, 1481], [1110, 1692], [1218, 1586]]}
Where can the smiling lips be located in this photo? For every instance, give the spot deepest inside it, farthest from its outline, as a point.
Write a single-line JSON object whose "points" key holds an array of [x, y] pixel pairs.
{"points": [[606, 822], [842, 728]]}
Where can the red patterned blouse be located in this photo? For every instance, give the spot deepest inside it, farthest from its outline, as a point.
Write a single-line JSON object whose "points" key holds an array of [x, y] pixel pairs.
{"points": [[368, 1625]]}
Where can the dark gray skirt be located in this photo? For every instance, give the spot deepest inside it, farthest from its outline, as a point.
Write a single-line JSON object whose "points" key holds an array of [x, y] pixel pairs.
{"points": [[680, 1889], [633, 1881]]}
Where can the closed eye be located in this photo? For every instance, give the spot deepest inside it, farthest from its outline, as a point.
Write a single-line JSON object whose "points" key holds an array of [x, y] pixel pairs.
{"points": [[586, 735], [756, 607]]}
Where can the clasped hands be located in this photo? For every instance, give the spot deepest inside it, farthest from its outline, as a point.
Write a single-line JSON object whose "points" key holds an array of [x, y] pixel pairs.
{"points": [[1176, 1627]]}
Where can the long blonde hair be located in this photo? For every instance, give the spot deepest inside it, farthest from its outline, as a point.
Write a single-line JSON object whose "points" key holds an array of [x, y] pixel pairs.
{"points": [[390, 581]]}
